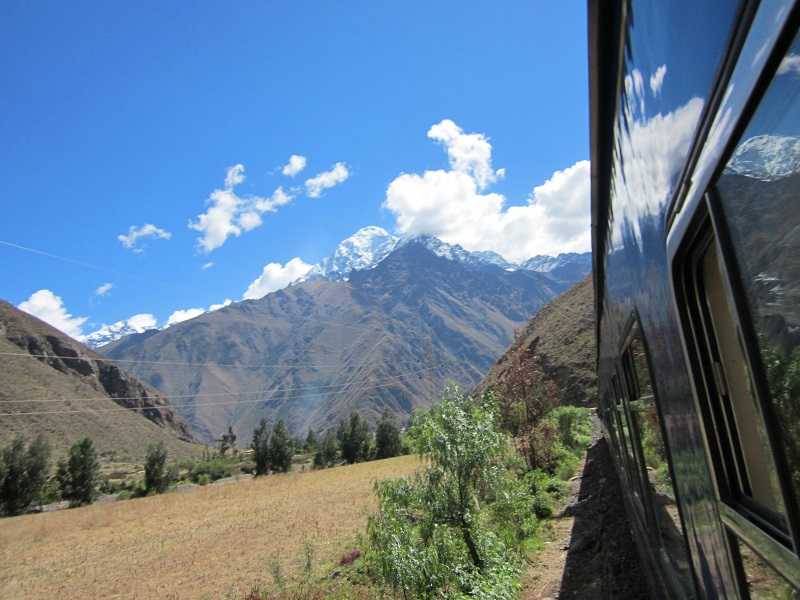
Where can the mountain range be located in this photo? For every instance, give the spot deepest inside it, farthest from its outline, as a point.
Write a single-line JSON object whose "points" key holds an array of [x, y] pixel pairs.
{"points": [[365, 250], [383, 322], [51, 384]]}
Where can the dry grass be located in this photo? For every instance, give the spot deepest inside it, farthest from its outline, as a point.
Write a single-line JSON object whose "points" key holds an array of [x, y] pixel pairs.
{"points": [[191, 545]]}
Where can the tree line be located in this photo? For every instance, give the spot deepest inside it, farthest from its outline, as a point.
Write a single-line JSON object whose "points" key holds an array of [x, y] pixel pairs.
{"points": [[350, 443], [29, 478]]}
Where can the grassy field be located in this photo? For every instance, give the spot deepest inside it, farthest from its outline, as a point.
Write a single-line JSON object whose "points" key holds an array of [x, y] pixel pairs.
{"points": [[205, 543]]}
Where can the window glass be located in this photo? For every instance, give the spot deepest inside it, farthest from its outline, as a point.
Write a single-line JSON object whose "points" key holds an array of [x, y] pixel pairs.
{"points": [[659, 483], [759, 191], [762, 580]]}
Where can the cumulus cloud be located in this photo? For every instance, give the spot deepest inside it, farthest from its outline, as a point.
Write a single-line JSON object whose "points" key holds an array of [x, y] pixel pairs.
{"points": [[135, 234], [142, 322], [296, 164], [316, 185], [470, 154], [50, 308], [275, 277], [190, 313], [208, 265], [453, 206], [184, 315], [228, 214], [103, 289]]}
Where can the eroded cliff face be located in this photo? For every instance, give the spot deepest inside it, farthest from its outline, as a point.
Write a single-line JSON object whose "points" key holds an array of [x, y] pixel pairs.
{"points": [[73, 359], [561, 336]]}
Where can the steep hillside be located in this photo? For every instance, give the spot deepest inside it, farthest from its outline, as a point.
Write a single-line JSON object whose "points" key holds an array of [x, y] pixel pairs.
{"points": [[390, 336], [562, 336], [51, 383]]}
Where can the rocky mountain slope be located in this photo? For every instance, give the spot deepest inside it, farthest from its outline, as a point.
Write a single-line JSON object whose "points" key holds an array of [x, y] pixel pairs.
{"points": [[389, 336], [53, 384], [562, 336]]}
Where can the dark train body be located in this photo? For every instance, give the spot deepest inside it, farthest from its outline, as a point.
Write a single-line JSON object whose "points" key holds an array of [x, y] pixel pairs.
{"points": [[695, 126]]}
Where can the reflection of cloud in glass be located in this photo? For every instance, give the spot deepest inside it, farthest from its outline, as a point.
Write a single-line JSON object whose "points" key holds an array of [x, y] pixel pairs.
{"points": [[649, 157], [790, 64]]}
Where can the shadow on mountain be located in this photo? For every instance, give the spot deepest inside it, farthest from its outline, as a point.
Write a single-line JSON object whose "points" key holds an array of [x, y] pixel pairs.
{"points": [[602, 561]]}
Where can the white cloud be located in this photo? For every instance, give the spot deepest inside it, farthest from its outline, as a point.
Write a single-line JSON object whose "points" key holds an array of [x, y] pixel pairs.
{"points": [[296, 164], [214, 307], [234, 176], [148, 230], [450, 204], [103, 289], [184, 315], [657, 79], [142, 322], [790, 64], [208, 265], [468, 153], [48, 307], [228, 214], [328, 179], [190, 313], [275, 277]]}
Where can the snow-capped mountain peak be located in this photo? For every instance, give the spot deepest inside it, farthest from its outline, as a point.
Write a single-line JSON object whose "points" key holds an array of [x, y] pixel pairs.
{"points": [[110, 333], [363, 250], [766, 157]]}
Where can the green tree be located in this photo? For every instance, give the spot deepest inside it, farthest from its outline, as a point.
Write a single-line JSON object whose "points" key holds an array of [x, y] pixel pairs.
{"points": [[156, 474], [387, 437], [23, 474], [260, 446], [280, 448], [328, 452], [432, 536], [227, 441], [78, 476], [311, 441], [525, 398], [353, 439]]}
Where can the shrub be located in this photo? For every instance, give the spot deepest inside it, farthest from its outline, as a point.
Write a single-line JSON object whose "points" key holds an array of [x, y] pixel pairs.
{"points": [[156, 475], [79, 474], [23, 474], [212, 469], [433, 535]]}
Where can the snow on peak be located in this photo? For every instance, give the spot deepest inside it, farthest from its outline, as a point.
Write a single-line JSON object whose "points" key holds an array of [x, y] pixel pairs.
{"points": [[363, 250], [766, 157], [109, 333]]}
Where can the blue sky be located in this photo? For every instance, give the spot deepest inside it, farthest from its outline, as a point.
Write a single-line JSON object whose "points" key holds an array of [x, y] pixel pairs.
{"points": [[147, 147]]}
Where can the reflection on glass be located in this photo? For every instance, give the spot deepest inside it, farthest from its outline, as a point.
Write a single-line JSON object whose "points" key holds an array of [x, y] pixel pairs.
{"points": [[661, 492], [762, 580], [759, 193]]}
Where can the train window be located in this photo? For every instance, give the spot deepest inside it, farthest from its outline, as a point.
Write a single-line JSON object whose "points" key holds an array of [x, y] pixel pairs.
{"points": [[758, 193], [632, 467], [661, 504], [740, 279]]}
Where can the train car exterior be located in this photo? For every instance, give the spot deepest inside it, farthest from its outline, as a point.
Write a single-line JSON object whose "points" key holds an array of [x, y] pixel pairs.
{"points": [[695, 147]]}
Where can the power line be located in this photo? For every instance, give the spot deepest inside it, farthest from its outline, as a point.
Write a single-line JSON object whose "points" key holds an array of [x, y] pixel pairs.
{"points": [[332, 387], [105, 269], [394, 379], [188, 364]]}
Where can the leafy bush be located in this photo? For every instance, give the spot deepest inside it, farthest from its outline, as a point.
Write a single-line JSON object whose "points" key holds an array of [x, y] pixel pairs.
{"points": [[23, 474], [433, 535], [156, 475], [212, 469], [79, 474]]}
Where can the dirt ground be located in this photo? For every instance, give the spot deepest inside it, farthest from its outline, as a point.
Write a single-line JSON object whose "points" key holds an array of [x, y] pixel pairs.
{"points": [[591, 553]]}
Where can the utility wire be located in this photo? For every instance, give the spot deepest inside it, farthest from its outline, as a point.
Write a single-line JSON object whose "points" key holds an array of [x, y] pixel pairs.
{"points": [[203, 365], [236, 402], [332, 387]]}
